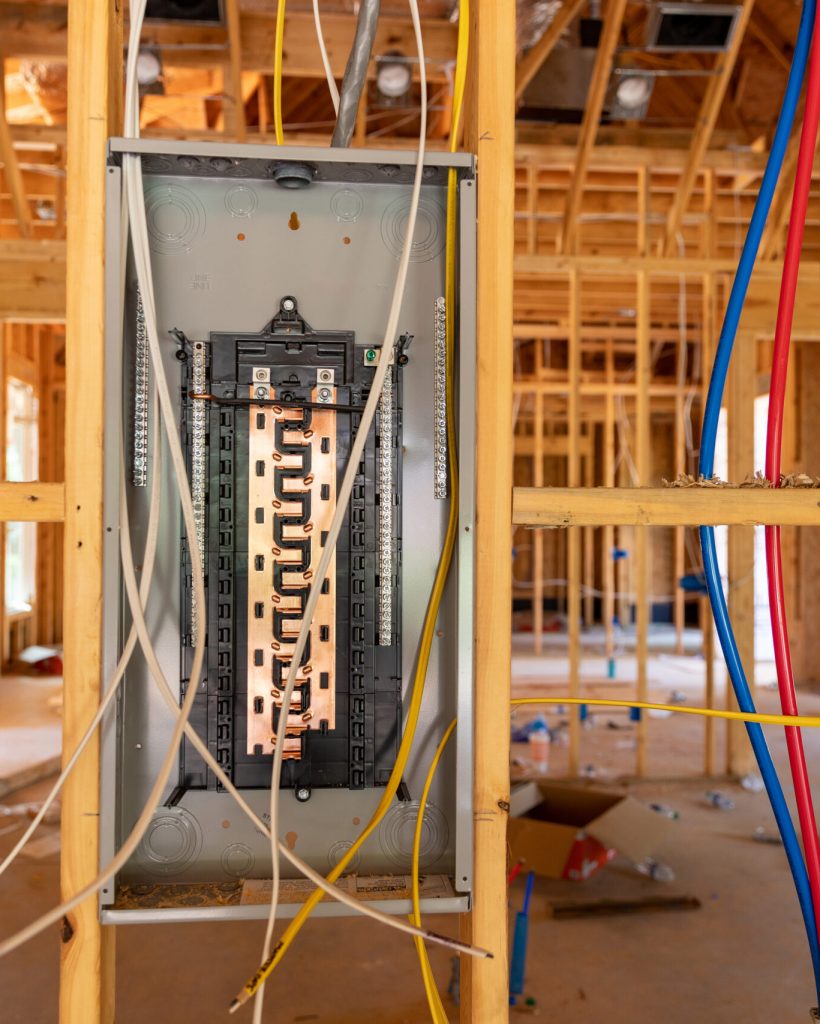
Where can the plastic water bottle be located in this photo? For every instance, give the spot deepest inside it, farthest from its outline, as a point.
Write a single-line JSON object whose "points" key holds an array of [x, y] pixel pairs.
{"points": [[719, 800], [539, 744], [666, 811], [655, 870]]}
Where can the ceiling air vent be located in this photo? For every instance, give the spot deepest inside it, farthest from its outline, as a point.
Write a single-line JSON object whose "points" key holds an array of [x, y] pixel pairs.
{"points": [[185, 10], [704, 28]]}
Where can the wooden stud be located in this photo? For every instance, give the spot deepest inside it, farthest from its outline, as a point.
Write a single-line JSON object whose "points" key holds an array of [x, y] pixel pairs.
{"points": [[574, 535], [532, 207], [644, 211], [592, 119], [707, 625], [739, 757], [679, 444], [490, 134], [589, 550], [11, 168], [643, 464], [94, 88], [234, 104], [608, 562], [5, 330], [707, 118], [538, 541]]}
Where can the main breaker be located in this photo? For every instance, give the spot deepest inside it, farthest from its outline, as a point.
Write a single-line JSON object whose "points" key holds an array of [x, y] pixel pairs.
{"points": [[273, 270]]}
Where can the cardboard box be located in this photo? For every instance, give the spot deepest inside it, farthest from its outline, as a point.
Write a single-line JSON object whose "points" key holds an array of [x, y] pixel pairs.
{"points": [[571, 832]]}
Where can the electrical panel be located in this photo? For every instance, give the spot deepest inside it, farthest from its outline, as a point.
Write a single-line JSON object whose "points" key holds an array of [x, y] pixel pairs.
{"points": [[273, 271], [265, 450]]}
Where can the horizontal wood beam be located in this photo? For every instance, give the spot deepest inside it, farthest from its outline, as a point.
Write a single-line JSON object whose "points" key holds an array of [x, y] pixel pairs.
{"points": [[560, 507], [628, 266], [34, 30], [32, 503], [32, 279], [551, 447]]}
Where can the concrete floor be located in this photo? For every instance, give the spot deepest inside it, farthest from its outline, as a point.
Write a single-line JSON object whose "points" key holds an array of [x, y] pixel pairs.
{"points": [[740, 957]]}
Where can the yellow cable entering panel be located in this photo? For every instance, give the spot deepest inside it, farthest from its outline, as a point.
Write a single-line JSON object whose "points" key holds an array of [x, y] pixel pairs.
{"points": [[433, 997], [278, 53]]}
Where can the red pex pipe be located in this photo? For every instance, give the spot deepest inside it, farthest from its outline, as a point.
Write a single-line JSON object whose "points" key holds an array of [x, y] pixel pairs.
{"points": [[774, 438]]}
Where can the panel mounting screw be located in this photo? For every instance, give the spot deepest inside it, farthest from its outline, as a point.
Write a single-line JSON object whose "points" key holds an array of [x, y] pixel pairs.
{"points": [[260, 375], [288, 305], [303, 794], [370, 355]]}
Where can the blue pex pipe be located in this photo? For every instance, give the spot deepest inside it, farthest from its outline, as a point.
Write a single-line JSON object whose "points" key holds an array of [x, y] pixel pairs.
{"points": [[518, 961], [717, 384]]}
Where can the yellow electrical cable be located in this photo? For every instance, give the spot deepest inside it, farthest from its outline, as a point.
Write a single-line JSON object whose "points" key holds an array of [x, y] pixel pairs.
{"points": [[433, 997], [401, 759], [800, 721], [462, 54], [278, 51], [437, 1011], [442, 571]]}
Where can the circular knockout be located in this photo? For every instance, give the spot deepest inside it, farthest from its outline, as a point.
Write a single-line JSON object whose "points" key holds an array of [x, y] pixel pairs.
{"points": [[398, 828], [241, 201], [175, 217], [429, 236], [238, 860], [172, 842]]}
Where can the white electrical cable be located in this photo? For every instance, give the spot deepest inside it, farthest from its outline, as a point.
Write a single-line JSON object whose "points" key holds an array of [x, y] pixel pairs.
{"points": [[119, 673], [343, 495], [320, 38], [112, 687], [138, 595], [136, 204], [124, 853], [141, 630], [141, 243]]}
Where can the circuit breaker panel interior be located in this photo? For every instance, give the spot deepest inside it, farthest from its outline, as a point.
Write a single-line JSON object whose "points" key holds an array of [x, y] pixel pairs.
{"points": [[268, 422]]}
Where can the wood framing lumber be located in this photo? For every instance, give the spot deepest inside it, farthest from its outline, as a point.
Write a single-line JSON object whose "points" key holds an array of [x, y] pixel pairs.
{"points": [[561, 507], [32, 279], [40, 31], [32, 503], [11, 171], [95, 91], [490, 134], [592, 118]]}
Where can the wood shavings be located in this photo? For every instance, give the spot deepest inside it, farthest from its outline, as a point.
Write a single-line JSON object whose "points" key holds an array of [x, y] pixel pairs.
{"points": [[799, 480], [756, 479], [751, 480], [688, 480]]}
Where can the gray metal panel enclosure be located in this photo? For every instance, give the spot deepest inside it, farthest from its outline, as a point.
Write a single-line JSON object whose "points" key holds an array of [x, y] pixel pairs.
{"points": [[227, 243]]}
